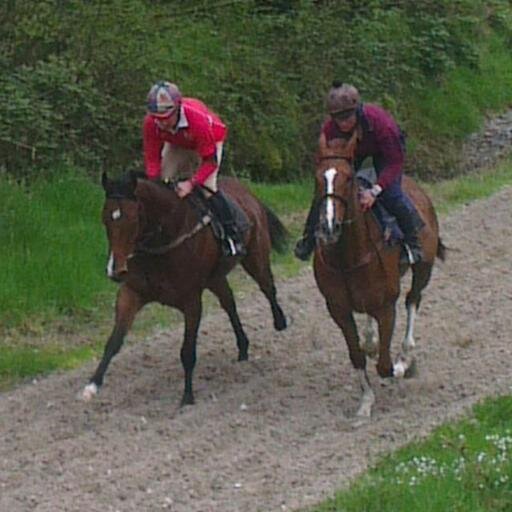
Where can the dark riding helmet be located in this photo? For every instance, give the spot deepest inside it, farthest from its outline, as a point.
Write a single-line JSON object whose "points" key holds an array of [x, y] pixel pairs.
{"points": [[163, 99], [342, 97]]}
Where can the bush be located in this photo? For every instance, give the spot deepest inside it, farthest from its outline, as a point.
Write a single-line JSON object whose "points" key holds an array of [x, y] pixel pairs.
{"points": [[75, 75]]}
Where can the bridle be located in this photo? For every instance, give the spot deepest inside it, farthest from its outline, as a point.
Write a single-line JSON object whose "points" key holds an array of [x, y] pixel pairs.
{"points": [[144, 237]]}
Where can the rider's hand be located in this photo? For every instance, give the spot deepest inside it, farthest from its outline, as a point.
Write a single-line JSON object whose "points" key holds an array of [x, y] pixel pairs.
{"points": [[366, 199], [184, 188]]}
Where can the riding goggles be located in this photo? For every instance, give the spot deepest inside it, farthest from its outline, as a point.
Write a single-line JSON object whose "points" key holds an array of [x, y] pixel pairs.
{"points": [[343, 115]]}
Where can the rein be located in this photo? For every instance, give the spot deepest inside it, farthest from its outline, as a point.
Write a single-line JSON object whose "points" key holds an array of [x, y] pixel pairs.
{"points": [[375, 247], [205, 220]]}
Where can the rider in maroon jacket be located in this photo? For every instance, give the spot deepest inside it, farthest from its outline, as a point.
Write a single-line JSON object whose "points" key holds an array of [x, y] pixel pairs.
{"points": [[381, 139]]}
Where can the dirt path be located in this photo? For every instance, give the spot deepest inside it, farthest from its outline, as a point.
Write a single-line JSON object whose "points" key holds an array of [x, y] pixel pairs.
{"points": [[273, 434]]}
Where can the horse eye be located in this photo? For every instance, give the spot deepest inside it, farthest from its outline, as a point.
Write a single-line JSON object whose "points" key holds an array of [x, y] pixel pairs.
{"points": [[116, 214]]}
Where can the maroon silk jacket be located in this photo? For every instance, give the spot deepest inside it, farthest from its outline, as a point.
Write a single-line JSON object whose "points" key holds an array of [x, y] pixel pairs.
{"points": [[382, 140]]}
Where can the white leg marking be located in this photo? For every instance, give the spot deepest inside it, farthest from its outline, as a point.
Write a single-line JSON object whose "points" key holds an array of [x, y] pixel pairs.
{"points": [[409, 342], [110, 265], [89, 392], [400, 367], [368, 398], [405, 359]]}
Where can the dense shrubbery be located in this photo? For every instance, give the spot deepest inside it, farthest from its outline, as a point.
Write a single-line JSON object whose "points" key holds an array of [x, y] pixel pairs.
{"points": [[74, 74]]}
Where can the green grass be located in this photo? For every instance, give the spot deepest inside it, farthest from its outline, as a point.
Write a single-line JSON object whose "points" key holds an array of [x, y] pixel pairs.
{"points": [[18, 363], [466, 467], [452, 193], [53, 248], [285, 198]]}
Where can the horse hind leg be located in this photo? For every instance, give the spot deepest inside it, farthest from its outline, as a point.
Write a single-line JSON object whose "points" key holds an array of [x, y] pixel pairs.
{"points": [[223, 292], [405, 365], [258, 267], [128, 304]]}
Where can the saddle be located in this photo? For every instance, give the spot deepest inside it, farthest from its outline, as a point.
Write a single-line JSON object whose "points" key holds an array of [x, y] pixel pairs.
{"points": [[235, 216], [391, 232]]}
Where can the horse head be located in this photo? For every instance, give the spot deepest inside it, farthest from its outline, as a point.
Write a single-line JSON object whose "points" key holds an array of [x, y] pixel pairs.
{"points": [[123, 219], [335, 186]]}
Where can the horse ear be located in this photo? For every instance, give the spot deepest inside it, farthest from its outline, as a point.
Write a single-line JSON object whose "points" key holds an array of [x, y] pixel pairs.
{"points": [[322, 144], [132, 181], [104, 180]]}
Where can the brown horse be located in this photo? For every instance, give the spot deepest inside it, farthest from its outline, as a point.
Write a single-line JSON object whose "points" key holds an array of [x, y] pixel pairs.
{"points": [[137, 212], [356, 271]]}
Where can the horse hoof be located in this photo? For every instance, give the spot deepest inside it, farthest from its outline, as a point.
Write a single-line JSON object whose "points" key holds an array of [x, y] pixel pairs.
{"points": [[187, 400], [385, 373], [89, 392], [404, 367], [281, 324], [364, 412], [412, 371], [281, 321]]}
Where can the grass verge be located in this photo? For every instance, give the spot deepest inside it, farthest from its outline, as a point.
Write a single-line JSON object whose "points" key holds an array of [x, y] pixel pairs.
{"points": [[465, 466]]}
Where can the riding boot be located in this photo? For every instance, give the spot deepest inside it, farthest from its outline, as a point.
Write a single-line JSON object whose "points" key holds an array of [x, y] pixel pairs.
{"points": [[232, 243], [410, 223], [305, 246]]}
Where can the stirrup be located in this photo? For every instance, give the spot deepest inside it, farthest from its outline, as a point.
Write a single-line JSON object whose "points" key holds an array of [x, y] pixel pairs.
{"points": [[410, 256], [232, 247]]}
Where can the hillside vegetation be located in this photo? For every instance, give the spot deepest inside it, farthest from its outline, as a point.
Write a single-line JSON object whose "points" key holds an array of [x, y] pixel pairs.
{"points": [[74, 75]]}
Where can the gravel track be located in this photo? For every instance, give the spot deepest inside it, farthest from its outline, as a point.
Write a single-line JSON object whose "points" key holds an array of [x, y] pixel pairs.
{"points": [[274, 433]]}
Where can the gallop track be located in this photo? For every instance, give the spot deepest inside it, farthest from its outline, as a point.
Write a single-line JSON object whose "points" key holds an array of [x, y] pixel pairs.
{"points": [[275, 433]]}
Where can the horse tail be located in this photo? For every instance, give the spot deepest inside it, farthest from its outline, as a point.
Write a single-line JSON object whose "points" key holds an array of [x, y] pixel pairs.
{"points": [[441, 250], [278, 233]]}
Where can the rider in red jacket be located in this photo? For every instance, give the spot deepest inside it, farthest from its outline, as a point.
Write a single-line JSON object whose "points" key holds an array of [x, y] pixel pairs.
{"points": [[182, 137], [383, 141]]}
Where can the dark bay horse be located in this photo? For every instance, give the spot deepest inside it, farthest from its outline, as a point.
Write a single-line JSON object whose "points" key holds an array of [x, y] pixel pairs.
{"points": [[356, 271], [176, 273]]}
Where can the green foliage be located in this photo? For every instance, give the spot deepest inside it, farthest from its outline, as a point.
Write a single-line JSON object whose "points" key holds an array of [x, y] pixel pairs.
{"points": [[439, 118], [75, 74]]}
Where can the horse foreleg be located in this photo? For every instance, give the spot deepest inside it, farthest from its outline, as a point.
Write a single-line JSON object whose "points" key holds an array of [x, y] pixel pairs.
{"points": [[224, 293], [368, 398], [345, 320], [258, 267], [192, 312], [128, 304], [386, 321]]}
